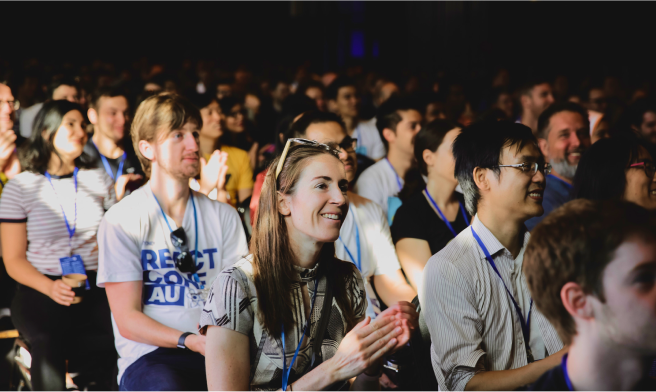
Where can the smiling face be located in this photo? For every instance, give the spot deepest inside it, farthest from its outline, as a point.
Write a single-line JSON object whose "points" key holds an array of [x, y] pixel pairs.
{"points": [[640, 189], [70, 138], [317, 206], [333, 133], [176, 152], [7, 112], [211, 115], [628, 316], [234, 119], [111, 117], [567, 138]]}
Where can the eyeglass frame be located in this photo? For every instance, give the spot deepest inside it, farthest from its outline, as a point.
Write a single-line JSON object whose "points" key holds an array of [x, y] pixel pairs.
{"points": [[546, 171], [353, 144], [15, 104], [302, 142], [644, 166], [183, 261]]}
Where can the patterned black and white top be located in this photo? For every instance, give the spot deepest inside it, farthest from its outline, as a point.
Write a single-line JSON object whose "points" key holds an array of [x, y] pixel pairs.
{"points": [[232, 303]]}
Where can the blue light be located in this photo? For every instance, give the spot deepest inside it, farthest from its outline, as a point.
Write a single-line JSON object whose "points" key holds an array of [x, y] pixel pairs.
{"points": [[357, 44]]}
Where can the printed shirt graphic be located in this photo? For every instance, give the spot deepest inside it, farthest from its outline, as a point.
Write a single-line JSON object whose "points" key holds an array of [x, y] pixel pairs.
{"points": [[134, 245]]}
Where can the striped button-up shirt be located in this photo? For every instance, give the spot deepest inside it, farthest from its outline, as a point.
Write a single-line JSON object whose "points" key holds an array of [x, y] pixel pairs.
{"points": [[471, 318]]}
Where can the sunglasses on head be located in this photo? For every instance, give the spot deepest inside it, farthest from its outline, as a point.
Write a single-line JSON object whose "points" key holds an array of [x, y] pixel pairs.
{"points": [[184, 260], [302, 142]]}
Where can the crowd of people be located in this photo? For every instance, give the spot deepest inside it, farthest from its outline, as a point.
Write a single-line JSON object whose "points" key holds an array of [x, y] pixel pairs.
{"points": [[177, 231]]}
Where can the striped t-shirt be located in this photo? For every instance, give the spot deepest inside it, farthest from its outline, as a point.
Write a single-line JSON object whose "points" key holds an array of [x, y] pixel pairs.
{"points": [[30, 198]]}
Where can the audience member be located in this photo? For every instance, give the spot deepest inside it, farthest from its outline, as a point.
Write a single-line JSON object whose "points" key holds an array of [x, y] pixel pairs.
{"points": [[435, 214], [485, 332], [233, 184], [534, 97], [598, 126], [398, 121], [364, 238], [315, 91], [563, 136], [292, 267], [502, 100], [590, 268], [50, 215], [160, 249], [620, 168], [110, 146], [237, 134], [343, 100], [642, 118], [63, 88], [9, 164], [597, 99]]}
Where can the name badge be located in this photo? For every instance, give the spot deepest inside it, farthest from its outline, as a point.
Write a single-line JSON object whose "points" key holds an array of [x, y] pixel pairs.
{"points": [[393, 204], [72, 265]]}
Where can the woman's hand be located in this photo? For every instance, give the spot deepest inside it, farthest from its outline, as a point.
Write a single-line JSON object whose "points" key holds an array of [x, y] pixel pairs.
{"points": [[61, 293], [406, 312], [365, 344], [122, 182], [213, 172], [196, 343]]}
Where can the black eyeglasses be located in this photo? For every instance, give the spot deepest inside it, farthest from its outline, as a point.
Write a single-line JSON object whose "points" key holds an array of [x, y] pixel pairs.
{"points": [[649, 168], [348, 144], [183, 261]]}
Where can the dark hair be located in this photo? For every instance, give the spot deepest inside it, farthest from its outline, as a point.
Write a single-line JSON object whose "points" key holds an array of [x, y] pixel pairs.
{"points": [[301, 125], [566, 106], [110, 92], [531, 82], [229, 102], [601, 173], [480, 145], [575, 243], [202, 100], [64, 81], [638, 109], [35, 153], [333, 88], [430, 137], [388, 116]]}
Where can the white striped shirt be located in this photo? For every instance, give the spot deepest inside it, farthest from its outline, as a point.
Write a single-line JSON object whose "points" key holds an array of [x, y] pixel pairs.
{"points": [[471, 318], [30, 198]]}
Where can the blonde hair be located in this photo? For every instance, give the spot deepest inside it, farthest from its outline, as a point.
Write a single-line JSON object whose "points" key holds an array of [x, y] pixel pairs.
{"points": [[163, 111]]}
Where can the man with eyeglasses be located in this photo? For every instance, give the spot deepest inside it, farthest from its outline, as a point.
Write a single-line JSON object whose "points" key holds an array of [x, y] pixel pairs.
{"points": [[485, 330], [365, 238], [8, 137], [159, 251], [563, 137]]}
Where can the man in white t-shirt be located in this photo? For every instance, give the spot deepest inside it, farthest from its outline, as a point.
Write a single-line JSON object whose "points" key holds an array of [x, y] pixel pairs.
{"points": [[398, 122], [159, 251], [365, 238], [344, 101]]}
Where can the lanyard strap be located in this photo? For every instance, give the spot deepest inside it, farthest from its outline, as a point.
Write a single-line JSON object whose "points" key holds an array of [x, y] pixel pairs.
{"points": [[566, 373], [439, 212], [569, 186], [108, 168], [193, 204], [71, 230], [526, 325], [285, 371], [398, 179], [357, 263]]}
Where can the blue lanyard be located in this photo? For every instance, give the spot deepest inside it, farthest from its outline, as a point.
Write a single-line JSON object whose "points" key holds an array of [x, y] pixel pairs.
{"points": [[398, 179], [439, 212], [526, 325], [285, 371], [71, 230], [191, 195], [569, 186], [108, 168], [566, 373], [357, 263]]}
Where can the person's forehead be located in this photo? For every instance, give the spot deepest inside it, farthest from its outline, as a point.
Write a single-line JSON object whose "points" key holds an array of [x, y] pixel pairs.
{"points": [[5, 92], [344, 90], [512, 153], [566, 119], [633, 252], [410, 115], [66, 87], [327, 132], [73, 114], [649, 116], [117, 102], [540, 88], [324, 165]]}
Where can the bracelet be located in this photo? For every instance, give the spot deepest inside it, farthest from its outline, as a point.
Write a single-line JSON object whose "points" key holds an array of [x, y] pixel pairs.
{"points": [[181, 341]]}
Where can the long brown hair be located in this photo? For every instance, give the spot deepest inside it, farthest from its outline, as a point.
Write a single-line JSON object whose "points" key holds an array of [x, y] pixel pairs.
{"points": [[273, 258]]}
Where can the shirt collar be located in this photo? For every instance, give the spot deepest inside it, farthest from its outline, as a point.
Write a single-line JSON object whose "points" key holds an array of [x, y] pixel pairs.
{"points": [[491, 242], [307, 274]]}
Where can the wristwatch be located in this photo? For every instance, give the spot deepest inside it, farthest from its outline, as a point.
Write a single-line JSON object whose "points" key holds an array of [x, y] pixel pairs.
{"points": [[181, 340]]}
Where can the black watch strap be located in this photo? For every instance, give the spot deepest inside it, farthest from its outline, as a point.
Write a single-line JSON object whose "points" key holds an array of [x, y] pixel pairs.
{"points": [[181, 340]]}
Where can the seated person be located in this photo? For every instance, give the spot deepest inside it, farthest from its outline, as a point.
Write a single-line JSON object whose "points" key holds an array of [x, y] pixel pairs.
{"points": [[591, 268], [50, 215], [484, 329], [160, 249], [260, 311], [434, 215]]}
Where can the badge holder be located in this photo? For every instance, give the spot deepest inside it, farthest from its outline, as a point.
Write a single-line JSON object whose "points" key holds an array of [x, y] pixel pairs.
{"points": [[75, 276]]}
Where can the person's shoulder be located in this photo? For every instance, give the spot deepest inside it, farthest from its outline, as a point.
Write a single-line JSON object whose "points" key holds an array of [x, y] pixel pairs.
{"points": [[367, 206], [416, 202], [205, 204], [458, 253], [129, 208], [26, 177], [552, 380], [368, 125], [243, 270], [373, 172]]}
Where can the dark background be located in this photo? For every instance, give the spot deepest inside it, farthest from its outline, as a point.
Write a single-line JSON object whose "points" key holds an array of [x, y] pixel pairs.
{"points": [[410, 37]]}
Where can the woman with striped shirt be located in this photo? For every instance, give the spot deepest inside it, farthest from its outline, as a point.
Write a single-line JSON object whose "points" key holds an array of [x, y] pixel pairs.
{"points": [[50, 215]]}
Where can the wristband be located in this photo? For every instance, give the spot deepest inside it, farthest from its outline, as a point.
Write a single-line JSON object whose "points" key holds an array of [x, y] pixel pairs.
{"points": [[181, 340]]}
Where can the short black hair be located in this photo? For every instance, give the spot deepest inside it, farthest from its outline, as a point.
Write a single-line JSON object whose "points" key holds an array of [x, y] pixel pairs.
{"points": [[566, 106], [109, 92], [635, 113], [601, 173], [388, 115], [201, 101], [64, 81], [339, 82], [299, 128], [531, 82], [480, 145], [227, 103], [430, 137]]}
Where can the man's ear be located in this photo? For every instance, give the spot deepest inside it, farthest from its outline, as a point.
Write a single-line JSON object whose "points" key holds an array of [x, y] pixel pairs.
{"points": [[524, 100], [480, 178], [544, 147], [146, 150], [389, 135], [576, 301], [92, 114], [283, 204]]}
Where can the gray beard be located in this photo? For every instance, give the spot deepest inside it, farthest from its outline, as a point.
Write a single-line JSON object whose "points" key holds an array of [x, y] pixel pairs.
{"points": [[564, 168]]}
